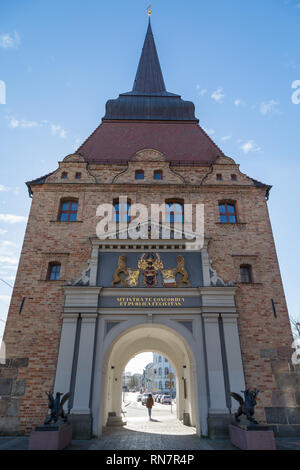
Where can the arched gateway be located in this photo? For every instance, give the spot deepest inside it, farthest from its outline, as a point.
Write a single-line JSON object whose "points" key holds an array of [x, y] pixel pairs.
{"points": [[195, 327]]}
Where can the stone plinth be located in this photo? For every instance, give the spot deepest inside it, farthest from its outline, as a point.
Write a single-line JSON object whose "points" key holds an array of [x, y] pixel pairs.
{"points": [[252, 437], [50, 437]]}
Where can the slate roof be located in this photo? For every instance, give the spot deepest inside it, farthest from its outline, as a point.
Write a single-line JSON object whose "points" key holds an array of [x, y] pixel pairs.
{"points": [[149, 99]]}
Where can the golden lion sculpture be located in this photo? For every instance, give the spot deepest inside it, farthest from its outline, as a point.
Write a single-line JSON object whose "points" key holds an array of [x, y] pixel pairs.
{"points": [[180, 269], [121, 268]]}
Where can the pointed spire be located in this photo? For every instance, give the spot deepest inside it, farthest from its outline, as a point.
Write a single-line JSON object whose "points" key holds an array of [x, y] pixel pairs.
{"points": [[149, 78]]}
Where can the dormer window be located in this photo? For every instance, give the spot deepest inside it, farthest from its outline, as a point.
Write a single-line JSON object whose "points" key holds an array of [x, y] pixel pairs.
{"points": [[64, 175], [139, 174], [158, 175]]}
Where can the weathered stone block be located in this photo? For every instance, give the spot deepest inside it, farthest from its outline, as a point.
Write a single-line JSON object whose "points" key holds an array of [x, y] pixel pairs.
{"points": [[7, 373], [13, 408], [9, 426], [276, 415], [5, 386], [81, 425], [286, 381], [218, 425], [18, 387], [293, 415], [20, 362], [297, 396], [4, 404], [279, 366], [280, 398], [284, 352], [268, 353]]}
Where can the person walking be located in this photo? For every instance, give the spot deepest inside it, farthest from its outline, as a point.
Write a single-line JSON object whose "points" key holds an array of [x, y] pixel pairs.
{"points": [[149, 404]]}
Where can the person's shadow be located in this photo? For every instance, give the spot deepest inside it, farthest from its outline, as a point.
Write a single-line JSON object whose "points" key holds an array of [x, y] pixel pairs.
{"points": [[155, 420]]}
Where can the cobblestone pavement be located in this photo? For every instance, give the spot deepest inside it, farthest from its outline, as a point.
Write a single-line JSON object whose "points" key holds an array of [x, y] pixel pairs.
{"points": [[164, 432]]}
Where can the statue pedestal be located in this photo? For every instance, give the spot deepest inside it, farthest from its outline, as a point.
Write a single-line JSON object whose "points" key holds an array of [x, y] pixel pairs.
{"points": [[51, 437], [252, 437]]}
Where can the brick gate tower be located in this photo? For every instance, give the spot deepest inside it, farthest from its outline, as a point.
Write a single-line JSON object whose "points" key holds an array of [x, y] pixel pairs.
{"points": [[82, 306]]}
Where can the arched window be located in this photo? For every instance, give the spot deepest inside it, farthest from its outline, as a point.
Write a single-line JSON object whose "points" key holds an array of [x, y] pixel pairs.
{"points": [[160, 371], [167, 385], [121, 211], [227, 213], [160, 385], [159, 359], [174, 210], [166, 370], [68, 210], [53, 271], [246, 273]]}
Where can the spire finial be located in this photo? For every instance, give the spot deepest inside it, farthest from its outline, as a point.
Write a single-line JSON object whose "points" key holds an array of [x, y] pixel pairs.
{"points": [[149, 10]]}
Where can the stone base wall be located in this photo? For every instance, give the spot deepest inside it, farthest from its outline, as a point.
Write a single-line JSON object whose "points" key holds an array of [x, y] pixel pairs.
{"points": [[11, 390]]}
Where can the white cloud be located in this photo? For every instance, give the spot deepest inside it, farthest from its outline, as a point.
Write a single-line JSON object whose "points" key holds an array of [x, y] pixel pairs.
{"points": [[239, 102], [9, 260], [218, 95], [209, 131], [250, 146], [14, 123], [201, 91], [56, 130], [12, 218], [226, 137], [9, 40], [4, 188], [59, 131], [269, 107], [2, 232]]}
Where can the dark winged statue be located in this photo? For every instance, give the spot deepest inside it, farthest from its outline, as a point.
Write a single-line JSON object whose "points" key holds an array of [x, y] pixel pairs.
{"points": [[56, 407], [246, 405]]}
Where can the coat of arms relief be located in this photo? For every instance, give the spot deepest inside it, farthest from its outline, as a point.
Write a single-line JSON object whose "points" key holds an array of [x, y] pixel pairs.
{"points": [[150, 265]]}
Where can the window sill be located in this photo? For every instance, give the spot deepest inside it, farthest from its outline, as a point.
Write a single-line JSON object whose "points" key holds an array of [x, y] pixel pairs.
{"points": [[231, 223], [66, 221], [52, 280], [249, 283]]}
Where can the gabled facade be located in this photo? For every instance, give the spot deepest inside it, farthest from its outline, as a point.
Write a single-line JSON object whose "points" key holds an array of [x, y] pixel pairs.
{"points": [[82, 306]]}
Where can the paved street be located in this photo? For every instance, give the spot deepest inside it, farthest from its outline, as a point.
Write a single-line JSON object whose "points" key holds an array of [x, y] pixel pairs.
{"points": [[164, 432]]}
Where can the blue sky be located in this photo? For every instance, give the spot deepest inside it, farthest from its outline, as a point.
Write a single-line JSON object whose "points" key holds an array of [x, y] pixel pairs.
{"points": [[61, 60]]}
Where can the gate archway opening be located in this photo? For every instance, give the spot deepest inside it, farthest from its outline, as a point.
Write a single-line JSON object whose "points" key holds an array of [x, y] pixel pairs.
{"points": [[163, 340]]}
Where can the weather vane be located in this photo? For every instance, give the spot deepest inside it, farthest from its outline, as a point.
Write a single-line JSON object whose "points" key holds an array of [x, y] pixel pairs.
{"points": [[149, 10]]}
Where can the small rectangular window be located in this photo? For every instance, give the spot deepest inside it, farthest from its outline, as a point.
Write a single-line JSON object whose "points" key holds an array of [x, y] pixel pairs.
{"points": [[68, 211], [233, 178], [78, 176], [64, 175], [139, 175], [219, 177], [246, 274], [227, 213], [158, 175], [53, 272]]}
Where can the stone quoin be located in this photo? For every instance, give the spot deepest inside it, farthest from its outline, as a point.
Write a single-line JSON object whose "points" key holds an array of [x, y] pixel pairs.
{"points": [[218, 314]]}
